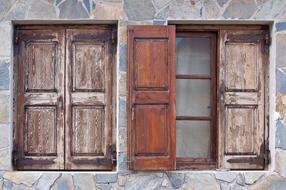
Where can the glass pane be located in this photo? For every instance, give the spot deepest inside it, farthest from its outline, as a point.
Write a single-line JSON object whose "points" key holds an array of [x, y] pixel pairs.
{"points": [[193, 139], [193, 97], [193, 56]]}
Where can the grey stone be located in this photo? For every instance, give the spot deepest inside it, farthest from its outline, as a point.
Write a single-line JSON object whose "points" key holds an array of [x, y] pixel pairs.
{"points": [[105, 178], [47, 10], [7, 184], [266, 183], [280, 162], [108, 11], [103, 186], [240, 9], [200, 181], [5, 161], [280, 137], [1, 183], [123, 57], [5, 6], [222, 2], [143, 181], [47, 180], [280, 26], [240, 180], [181, 9], [59, 1], [72, 9], [123, 83], [162, 15], [139, 10], [4, 136], [26, 178], [4, 74], [122, 179], [21, 187], [84, 181], [271, 9], [159, 4], [122, 161], [177, 180], [252, 177], [280, 82], [87, 5], [4, 109], [122, 118], [280, 50], [224, 186], [211, 10], [6, 39], [281, 185], [122, 139], [225, 176], [65, 182], [159, 22], [18, 11]]}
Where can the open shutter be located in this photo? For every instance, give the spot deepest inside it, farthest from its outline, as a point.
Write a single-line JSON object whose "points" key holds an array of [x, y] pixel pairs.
{"points": [[151, 112], [39, 102], [241, 99], [89, 102]]}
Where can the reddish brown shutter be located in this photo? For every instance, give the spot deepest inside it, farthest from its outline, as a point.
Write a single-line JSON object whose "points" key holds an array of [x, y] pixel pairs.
{"points": [[40, 90], [151, 112], [89, 103], [241, 99]]}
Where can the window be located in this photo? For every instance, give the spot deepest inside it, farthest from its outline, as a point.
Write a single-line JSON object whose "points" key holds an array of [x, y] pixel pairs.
{"points": [[64, 105], [197, 97]]}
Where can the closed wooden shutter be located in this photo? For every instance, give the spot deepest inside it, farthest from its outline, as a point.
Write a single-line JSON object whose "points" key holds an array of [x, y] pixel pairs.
{"points": [[89, 103], [242, 99], [39, 96], [151, 111]]}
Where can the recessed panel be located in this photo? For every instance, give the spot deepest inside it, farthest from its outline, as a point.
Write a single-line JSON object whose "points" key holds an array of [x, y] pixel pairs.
{"points": [[151, 58], [151, 130], [40, 66], [87, 130], [193, 139], [192, 97], [241, 66], [240, 130], [88, 66], [193, 56], [40, 131]]}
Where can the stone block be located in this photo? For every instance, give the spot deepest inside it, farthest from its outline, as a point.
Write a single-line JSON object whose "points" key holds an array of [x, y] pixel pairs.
{"points": [[5, 6], [65, 182], [123, 57], [143, 181], [6, 39], [280, 162], [139, 10], [176, 179], [84, 181], [225, 176], [72, 9], [122, 139], [280, 50], [122, 115], [5, 161], [122, 180], [252, 177], [103, 186], [4, 109], [47, 180], [241, 9], [198, 181], [18, 11], [271, 9], [280, 137], [211, 10], [181, 9], [41, 10], [108, 11], [4, 74], [281, 81], [105, 178], [280, 26], [4, 135], [265, 183], [222, 2], [123, 84], [26, 178]]}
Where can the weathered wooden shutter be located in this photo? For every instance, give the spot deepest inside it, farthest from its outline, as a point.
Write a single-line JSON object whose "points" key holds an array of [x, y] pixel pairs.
{"points": [[89, 103], [242, 99], [151, 112], [39, 95]]}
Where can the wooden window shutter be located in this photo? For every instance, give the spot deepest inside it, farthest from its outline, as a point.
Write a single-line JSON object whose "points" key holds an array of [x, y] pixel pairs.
{"points": [[39, 95], [151, 108], [89, 101], [242, 99]]}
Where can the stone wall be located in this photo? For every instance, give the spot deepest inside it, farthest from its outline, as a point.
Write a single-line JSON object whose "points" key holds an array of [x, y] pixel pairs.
{"points": [[146, 12]]}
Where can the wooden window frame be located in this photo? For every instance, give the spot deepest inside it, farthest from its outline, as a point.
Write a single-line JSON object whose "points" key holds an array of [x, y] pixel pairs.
{"points": [[203, 163]]}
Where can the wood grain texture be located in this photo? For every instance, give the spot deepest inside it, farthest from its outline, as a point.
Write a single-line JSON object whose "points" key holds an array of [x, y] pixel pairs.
{"points": [[242, 99], [151, 102]]}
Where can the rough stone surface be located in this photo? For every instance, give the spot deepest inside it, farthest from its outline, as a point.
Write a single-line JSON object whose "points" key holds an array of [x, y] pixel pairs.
{"points": [[200, 181], [4, 138], [280, 50], [280, 162], [271, 9], [266, 183], [47, 180], [122, 84], [106, 178], [222, 2], [132, 7], [240, 9], [5, 6], [177, 180], [18, 11], [25, 178], [252, 177], [280, 135], [6, 39], [280, 26], [4, 109], [225, 176], [47, 10], [122, 119], [4, 74], [122, 180], [123, 57], [181, 9], [84, 181], [107, 11], [5, 161], [281, 81], [147, 181], [159, 4], [65, 182], [211, 9], [72, 9]]}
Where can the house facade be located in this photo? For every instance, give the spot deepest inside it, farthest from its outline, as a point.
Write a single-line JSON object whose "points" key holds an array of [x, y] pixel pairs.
{"points": [[97, 94]]}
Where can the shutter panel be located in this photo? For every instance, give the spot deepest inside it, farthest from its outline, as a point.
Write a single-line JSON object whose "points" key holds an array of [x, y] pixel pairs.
{"points": [[241, 103], [39, 92], [151, 118], [89, 103]]}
